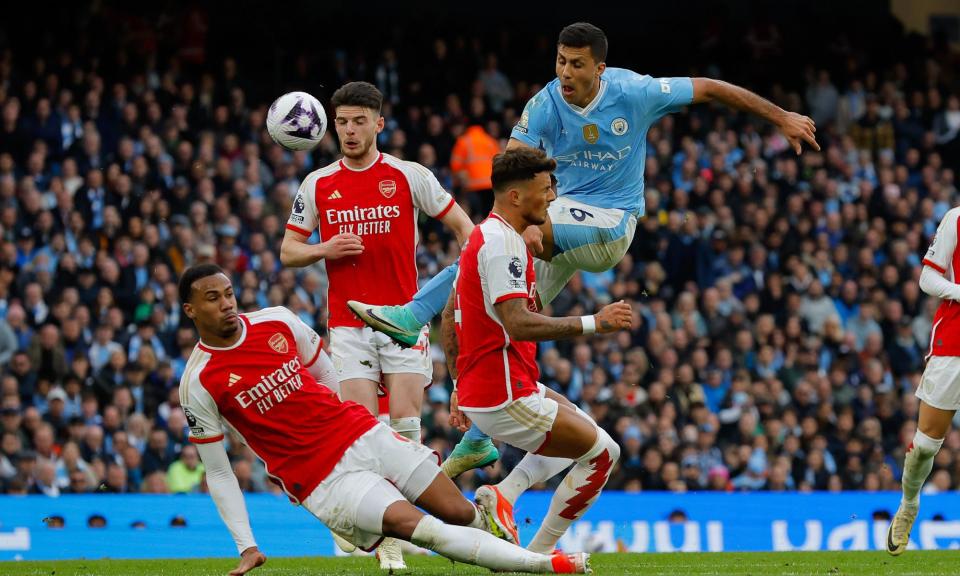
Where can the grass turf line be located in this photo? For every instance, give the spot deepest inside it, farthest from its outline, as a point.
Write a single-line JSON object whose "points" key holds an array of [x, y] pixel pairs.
{"points": [[943, 562]]}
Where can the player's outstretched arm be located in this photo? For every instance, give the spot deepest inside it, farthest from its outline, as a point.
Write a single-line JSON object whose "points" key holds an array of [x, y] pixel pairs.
{"points": [[525, 325], [226, 494], [296, 253], [797, 128]]}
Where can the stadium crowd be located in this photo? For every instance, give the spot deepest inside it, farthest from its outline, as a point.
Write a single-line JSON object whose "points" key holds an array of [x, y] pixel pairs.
{"points": [[780, 329]]}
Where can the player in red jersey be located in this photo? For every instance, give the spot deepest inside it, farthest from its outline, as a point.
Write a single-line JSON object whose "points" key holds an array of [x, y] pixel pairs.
{"points": [[365, 207], [494, 311], [939, 389], [259, 373]]}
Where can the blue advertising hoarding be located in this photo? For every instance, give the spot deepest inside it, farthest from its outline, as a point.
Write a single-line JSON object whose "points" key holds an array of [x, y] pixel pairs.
{"points": [[617, 522]]}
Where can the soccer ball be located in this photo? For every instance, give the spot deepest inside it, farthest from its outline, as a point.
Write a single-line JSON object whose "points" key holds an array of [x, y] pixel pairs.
{"points": [[297, 121]]}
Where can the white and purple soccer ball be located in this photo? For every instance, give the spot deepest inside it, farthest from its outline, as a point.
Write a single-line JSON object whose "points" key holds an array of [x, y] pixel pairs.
{"points": [[297, 121]]}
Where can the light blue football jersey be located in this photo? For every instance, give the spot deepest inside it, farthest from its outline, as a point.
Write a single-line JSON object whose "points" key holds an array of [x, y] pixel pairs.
{"points": [[601, 149]]}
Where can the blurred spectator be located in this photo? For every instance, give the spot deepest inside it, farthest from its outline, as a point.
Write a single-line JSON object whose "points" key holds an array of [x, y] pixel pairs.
{"points": [[186, 473], [779, 329]]}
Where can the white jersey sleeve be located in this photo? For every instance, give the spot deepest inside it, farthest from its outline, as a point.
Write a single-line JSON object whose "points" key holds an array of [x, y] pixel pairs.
{"points": [[940, 253], [502, 266], [200, 409], [304, 217], [428, 195], [309, 343]]}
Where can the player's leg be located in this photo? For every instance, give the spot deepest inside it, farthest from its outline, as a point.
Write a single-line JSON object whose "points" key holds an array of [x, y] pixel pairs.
{"points": [[403, 323], [582, 237], [474, 450], [412, 468], [550, 426], [406, 402], [939, 394], [406, 372], [471, 545], [572, 433], [357, 365]]}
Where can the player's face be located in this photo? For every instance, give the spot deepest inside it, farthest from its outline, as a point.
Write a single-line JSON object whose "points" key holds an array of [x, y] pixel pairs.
{"points": [[357, 129], [213, 306], [535, 197], [579, 74]]}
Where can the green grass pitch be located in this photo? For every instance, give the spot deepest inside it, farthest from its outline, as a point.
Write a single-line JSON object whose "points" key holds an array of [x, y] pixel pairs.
{"points": [[740, 564]]}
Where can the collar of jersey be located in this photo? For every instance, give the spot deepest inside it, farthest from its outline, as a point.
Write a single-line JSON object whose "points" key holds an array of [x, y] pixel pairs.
{"points": [[593, 104], [243, 336], [365, 168]]}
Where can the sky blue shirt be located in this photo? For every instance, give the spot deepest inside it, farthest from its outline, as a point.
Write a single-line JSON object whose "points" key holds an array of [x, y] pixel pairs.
{"points": [[600, 150]]}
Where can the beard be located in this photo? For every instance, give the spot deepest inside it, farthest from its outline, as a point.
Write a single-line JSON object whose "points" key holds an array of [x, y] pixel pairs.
{"points": [[227, 330], [359, 152]]}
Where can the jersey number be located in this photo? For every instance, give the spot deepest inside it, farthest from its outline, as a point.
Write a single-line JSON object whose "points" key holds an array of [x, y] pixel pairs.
{"points": [[580, 215]]}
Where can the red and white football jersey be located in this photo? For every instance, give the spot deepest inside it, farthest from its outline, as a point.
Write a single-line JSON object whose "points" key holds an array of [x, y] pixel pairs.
{"points": [[942, 256], [380, 204], [494, 370], [261, 388]]}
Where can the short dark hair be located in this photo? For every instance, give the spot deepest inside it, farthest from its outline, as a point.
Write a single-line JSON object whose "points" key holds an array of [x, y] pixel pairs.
{"points": [[363, 94], [191, 275], [519, 164], [583, 34]]}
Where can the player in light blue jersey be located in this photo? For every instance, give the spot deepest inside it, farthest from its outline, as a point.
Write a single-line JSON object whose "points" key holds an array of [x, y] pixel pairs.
{"points": [[593, 120]]}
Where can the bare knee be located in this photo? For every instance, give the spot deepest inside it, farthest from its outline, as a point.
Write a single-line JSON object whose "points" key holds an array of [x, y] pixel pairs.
{"points": [[400, 520]]}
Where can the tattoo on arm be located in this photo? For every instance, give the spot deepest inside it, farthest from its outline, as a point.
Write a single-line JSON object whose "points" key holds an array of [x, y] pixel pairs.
{"points": [[522, 324]]}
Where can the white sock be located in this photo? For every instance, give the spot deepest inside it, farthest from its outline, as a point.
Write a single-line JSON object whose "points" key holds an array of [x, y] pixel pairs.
{"points": [[531, 469], [578, 491], [473, 546], [479, 520], [407, 427], [917, 466]]}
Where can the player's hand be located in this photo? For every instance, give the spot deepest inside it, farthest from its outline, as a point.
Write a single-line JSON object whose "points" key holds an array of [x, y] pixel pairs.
{"points": [[613, 317], [797, 129], [251, 558], [533, 238], [341, 246], [457, 419]]}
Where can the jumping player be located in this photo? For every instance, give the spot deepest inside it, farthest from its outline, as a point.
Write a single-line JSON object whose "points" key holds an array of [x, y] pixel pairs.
{"points": [[939, 389], [593, 120], [365, 207], [259, 372]]}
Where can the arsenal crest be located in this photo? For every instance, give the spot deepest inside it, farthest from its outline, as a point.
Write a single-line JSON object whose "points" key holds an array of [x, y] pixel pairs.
{"points": [[591, 133], [388, 188], [279, 343]]}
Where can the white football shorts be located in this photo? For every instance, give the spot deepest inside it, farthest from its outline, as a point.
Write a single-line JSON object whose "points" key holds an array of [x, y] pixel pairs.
{"points": [[380, 468], [525, 423], [940, 383], [365, 353]]}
